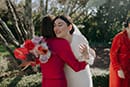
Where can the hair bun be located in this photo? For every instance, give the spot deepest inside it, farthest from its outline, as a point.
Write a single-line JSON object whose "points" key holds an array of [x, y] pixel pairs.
{"points": [[126, 22]]}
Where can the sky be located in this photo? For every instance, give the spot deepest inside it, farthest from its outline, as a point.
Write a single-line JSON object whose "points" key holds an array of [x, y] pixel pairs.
{"points": [[90, 3], [20, 0], [94, 3]]}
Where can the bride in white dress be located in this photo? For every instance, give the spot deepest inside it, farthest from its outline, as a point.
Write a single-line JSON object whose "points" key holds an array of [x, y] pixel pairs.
{"points": [[79, 45]]}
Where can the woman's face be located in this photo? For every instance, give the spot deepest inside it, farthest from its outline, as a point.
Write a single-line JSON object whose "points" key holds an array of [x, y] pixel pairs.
{"points": [[60, 28]]}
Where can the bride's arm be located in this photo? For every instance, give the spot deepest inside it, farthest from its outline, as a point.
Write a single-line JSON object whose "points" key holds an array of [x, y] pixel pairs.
{"points": [[86, 51], [92, 56]]}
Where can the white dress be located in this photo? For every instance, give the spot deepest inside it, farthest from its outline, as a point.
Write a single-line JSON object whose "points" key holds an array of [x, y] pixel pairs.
{"points": [[82, 78]]}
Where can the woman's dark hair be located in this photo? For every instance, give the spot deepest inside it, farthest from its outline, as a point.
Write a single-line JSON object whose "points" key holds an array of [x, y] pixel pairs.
{"points": [[66, 20], [46, 27], [127, 22]]}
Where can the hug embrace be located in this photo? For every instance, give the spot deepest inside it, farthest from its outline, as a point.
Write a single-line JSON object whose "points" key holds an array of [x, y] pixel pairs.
{"points": [[68, 54]]}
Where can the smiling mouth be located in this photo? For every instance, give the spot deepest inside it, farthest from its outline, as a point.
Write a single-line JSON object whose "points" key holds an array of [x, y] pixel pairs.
{"points": [[57, 32]]}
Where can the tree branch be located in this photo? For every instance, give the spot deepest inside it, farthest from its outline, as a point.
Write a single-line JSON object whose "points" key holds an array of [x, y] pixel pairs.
{"points": [[5, 31]]}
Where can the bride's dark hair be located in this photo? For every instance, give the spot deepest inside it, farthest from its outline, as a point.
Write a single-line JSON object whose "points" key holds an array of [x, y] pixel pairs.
{"points": [[127, 21]]}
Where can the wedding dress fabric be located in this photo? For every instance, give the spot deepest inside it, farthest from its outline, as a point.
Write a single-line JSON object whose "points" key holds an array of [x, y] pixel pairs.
{"points": [[82, 78]]}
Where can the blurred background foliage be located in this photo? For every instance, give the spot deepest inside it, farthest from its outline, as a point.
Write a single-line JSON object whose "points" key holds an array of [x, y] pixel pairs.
{"points": [[98, 20]]}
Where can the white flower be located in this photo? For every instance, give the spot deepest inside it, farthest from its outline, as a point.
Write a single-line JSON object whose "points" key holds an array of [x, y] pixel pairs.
{"points": [[45, 58], [41, 49]]}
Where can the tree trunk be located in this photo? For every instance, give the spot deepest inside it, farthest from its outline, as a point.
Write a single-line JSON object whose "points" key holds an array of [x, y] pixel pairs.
{"points": [[28, 18]]}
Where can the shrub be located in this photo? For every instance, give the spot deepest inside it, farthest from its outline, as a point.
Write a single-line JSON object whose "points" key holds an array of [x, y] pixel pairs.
{"points": [[33, 80], [101, 81]]}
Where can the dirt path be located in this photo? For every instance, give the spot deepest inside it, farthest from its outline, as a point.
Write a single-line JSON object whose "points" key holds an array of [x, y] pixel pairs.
{"points": [[101, 63]]}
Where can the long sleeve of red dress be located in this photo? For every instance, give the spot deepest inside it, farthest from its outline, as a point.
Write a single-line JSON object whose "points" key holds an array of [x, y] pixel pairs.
{"points": [[67, 55], [114, 52], [114, 80], [64, 51]]}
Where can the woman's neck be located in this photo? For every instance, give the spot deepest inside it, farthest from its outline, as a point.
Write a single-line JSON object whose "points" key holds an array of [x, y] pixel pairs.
{"points": [[128, 32], [68, 38]]}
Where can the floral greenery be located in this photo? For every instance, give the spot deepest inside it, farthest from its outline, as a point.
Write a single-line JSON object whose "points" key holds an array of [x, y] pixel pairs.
{"points": [[34, 80]]}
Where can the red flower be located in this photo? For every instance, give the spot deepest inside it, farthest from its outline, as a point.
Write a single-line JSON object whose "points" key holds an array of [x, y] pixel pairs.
{"points": [[37, 47], [21, 53], [29, 44], [42, 50]]}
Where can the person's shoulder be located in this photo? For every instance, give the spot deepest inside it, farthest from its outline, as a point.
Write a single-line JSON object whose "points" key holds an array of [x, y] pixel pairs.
{"points": [[60, 44], [60, 41], [80, 38], [77, 36], [118, 35]]}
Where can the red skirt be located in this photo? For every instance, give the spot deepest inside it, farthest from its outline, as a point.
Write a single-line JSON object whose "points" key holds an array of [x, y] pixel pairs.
{"points": [[115, 81], [54, 82]]}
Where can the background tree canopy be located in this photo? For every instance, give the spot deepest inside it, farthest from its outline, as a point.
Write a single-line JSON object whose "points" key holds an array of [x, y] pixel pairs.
{"points": [[98, 20]]}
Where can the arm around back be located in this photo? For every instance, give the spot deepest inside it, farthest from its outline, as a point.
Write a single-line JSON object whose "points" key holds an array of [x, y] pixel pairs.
{"points": [[65, 52]]}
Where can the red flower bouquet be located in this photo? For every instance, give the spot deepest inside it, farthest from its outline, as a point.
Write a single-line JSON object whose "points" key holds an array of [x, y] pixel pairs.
{"points": [[32, 49]]}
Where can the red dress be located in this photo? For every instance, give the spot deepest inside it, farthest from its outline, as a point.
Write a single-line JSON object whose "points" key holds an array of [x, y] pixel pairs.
{"points": [[53, 70], [120, 59]]}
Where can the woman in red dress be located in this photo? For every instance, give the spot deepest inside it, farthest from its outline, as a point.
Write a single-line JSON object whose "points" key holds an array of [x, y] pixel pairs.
{"points": [[120, 58]]}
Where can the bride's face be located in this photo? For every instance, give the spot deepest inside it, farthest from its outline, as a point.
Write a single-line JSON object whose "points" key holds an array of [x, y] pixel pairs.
{"points": [[61, 29]]}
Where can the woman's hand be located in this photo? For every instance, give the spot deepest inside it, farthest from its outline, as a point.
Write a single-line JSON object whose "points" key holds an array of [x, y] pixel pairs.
{"points": [[84, 51], [121, 74]]}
